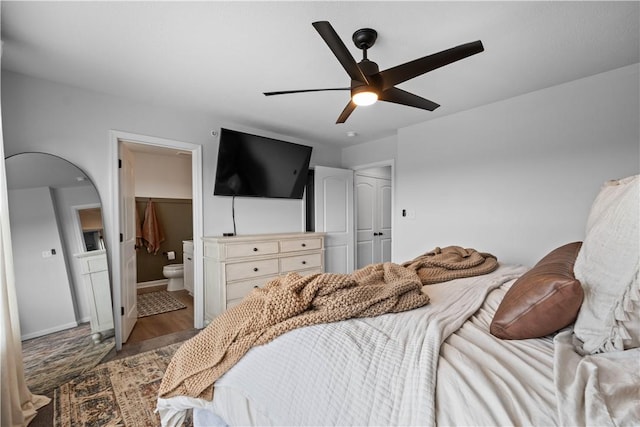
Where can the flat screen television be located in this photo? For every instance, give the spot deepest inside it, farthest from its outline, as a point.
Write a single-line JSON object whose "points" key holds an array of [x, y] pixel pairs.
{"points": [[257, 166]]}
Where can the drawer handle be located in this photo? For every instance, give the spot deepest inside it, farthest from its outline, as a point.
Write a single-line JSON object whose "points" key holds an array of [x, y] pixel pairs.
{"points": [[304, 262], [304, 245], [255, 268], [255, 249], [189, 258]]}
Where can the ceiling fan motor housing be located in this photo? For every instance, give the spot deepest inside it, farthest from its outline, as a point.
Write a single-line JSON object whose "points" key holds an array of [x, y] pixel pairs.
{"points": [[369, 69], [364, 38]]}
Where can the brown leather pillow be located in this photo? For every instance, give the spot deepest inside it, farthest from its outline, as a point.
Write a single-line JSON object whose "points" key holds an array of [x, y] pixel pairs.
{"points": [[543, 300]]}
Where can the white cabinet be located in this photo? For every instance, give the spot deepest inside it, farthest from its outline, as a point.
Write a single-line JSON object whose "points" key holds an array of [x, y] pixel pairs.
{"points": [[233, 266], [95, 275], [187, 261]]}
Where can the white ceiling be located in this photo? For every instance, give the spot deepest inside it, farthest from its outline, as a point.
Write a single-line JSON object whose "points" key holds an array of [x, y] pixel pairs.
{"points": [[218, 57]]}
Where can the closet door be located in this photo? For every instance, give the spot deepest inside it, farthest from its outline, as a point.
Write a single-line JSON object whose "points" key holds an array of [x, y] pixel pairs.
{"points": [[373, 219], [333, 198], [365, 193], [383, 217]]}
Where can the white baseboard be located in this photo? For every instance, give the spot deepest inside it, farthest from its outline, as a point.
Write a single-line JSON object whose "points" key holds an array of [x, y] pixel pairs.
{"points": [[161, 282], [48, 331]]}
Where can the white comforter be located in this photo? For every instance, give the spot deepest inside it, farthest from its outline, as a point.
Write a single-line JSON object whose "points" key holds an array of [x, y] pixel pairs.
{"points": [[372, 371], [596, 390], [383, 371]]}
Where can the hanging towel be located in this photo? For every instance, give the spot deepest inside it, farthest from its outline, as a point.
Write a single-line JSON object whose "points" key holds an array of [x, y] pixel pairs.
{"points": [[139, 241], [151, 230]]}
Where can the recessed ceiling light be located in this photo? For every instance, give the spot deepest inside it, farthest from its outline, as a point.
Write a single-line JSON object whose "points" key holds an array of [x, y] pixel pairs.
{"points": [[351, 134]]}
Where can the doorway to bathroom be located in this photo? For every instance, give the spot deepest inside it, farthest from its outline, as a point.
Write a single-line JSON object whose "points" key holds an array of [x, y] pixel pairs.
{"points": [[159, 207], [164, 241], [164, 268]]}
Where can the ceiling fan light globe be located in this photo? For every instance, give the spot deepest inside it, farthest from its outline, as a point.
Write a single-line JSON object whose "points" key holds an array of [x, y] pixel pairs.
{"points": [[364, 98]]}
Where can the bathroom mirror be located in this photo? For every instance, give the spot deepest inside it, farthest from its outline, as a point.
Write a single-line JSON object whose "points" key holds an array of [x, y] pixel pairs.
{"points": [[60, 260]]}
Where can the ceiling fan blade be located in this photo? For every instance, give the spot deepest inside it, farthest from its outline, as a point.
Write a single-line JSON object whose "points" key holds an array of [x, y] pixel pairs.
{"points": [[346, 112], [399, 96], [409, 70], [341, 52], [285, 92]]}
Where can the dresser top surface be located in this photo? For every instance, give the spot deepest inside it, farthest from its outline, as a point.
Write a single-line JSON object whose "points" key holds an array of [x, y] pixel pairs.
{"points": [[255, 237]]}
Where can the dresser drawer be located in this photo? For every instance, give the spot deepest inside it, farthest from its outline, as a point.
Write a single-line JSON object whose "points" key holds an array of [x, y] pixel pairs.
{"points": [[240, 289], [240, 250], [249, 269], [300, 262], [300, 245]]}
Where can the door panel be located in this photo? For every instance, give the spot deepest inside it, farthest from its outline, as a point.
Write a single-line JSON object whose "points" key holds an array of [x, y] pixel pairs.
{"points": [[128, 251], [333, 197], [385, 206], [364, 253], [384, 218], [365, 194], [373, 213], [385, 250]]}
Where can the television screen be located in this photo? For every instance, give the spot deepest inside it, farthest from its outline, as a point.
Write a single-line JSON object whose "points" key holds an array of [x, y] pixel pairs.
{"points": [[256, 166]]}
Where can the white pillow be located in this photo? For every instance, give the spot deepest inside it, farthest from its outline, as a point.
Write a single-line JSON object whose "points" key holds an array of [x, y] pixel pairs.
{"points": [[607, 267]]}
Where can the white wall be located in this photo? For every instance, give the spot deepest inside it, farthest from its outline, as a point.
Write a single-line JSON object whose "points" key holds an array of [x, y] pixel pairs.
{"points": [[370, 152], [43, 290], [516, 178], [497, 178], [72, 123], [162, 176]]}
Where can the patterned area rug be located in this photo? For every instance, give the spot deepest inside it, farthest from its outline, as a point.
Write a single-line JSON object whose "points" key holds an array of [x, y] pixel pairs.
{"points": [[54, 359], [118, 393], [158, 302]]}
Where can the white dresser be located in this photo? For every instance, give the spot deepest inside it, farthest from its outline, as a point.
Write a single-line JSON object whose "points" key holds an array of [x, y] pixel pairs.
{"points": [[233, 266], [95, 274]]}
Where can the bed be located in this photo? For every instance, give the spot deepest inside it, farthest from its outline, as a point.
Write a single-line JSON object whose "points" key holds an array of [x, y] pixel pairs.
{"points": [[555, 344]]}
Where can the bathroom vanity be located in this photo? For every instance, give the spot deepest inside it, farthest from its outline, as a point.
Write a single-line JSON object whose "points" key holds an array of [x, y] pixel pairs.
{"points": [[95, 275], [187, 260], [234, 265]]}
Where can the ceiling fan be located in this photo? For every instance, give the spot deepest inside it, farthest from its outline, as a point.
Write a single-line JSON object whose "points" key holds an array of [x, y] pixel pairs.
{"points": [[368, 84]]}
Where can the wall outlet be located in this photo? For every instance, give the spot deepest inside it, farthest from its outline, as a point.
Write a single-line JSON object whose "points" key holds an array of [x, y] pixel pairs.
{"points": [[46, 254]]}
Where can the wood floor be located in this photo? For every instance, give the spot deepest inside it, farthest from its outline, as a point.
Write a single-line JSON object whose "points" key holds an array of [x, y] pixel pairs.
{"points": [[158, 325], [157, 331]]}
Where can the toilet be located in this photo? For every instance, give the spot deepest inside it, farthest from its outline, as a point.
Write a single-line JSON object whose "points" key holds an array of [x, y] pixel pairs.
{"points": [[175, 274]]}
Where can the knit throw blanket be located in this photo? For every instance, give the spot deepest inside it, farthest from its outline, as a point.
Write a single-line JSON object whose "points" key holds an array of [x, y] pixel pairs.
{"points": [[451, 262], [294, 301]]}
